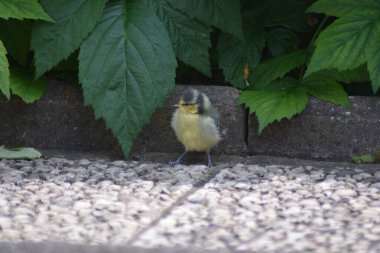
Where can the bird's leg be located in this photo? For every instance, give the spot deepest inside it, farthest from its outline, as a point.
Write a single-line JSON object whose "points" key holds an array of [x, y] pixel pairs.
{"points": [[180, 158], [209, 164]]}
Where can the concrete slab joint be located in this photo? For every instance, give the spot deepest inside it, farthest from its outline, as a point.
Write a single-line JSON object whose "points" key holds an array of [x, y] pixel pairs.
{"points": [[323, 131]]}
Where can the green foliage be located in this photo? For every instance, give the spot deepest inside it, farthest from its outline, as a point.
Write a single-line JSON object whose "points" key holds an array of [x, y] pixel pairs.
{"points": [[128, 49], [190, 39], [4, 71], [347, 50], [274, 14], [74, 20], [360, 159], [281, 20], [23, 85], [326, 87], [340, 8], [283, 100], [15, 35], [244, 53], [359, 74], [19, 153], [224, 14], [22, 9], [352, 40], [126, 75], [277, 67]]}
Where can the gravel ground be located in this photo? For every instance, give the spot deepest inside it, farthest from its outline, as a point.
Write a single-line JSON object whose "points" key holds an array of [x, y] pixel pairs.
{"points": [[277, 209], [95, 202], [260, 208]]}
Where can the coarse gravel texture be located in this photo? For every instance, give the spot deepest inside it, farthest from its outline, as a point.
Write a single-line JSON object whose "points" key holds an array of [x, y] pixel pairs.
{"points": [[82, 201], [302, 207], [277, 209]]}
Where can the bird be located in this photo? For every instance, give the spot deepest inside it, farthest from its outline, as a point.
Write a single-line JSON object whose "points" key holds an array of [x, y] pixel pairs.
{"points": [[196, 123]]}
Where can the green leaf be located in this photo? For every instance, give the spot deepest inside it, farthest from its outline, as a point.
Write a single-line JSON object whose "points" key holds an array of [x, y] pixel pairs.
{"points": [[284, 100], [326, 88], [15, 35], [19, 153], [21, 9], [359, 74], [224, 14], [346, 43], [4, 71], [373, 64], [352, 40], [360, 159], [341, 8], [235, 55], [190, 38], [127, 67], [270, 70], [55, 42], [289, 14], [281, 41], [22, 84]]}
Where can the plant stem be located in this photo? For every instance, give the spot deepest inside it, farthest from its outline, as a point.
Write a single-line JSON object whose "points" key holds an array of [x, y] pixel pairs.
{"points": [[317, 32], [311, 44]]}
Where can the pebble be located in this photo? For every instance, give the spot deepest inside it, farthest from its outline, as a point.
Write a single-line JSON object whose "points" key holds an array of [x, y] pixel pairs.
{"points": [[82, 204], [84, 162], [317, 175], [345, 193], [309, 203], [377, 175], [242, 186], [24, 210], [362, 176], [5, 223]]}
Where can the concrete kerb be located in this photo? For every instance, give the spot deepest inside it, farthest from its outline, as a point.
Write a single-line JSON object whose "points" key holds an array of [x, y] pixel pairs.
{"points": [[322, 132], [59, 121]]}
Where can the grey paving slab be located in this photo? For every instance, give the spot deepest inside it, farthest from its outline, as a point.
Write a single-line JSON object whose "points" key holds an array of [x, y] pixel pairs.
{"points": [[277, 208], [87, 202]]}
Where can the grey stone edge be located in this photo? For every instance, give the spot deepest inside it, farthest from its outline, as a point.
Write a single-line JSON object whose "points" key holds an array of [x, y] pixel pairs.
{"points": [[60, 121]]}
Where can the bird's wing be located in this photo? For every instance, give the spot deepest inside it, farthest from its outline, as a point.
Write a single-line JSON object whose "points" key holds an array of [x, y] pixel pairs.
{"points": [[214, 114]]}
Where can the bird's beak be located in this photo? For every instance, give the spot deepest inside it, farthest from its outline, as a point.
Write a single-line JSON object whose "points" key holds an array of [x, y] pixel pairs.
{"points": [[177, 105]]}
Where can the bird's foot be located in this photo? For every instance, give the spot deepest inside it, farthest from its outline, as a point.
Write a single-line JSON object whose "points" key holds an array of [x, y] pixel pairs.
{"points": [[178, 161], [172, 164]]}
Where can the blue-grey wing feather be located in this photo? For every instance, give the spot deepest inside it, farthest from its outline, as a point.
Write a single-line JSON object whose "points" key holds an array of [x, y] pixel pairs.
{"points": [[214, 114]]}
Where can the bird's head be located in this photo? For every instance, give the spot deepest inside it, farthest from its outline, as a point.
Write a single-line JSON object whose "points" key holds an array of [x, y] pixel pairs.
{"points": [[194, 102]]}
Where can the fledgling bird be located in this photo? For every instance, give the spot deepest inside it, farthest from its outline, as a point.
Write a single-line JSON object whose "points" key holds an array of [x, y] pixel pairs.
{"points": [[196, 123]]}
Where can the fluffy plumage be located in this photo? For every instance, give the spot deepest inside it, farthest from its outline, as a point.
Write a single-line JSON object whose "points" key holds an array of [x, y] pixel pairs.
{"points": [[196, 123]]}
